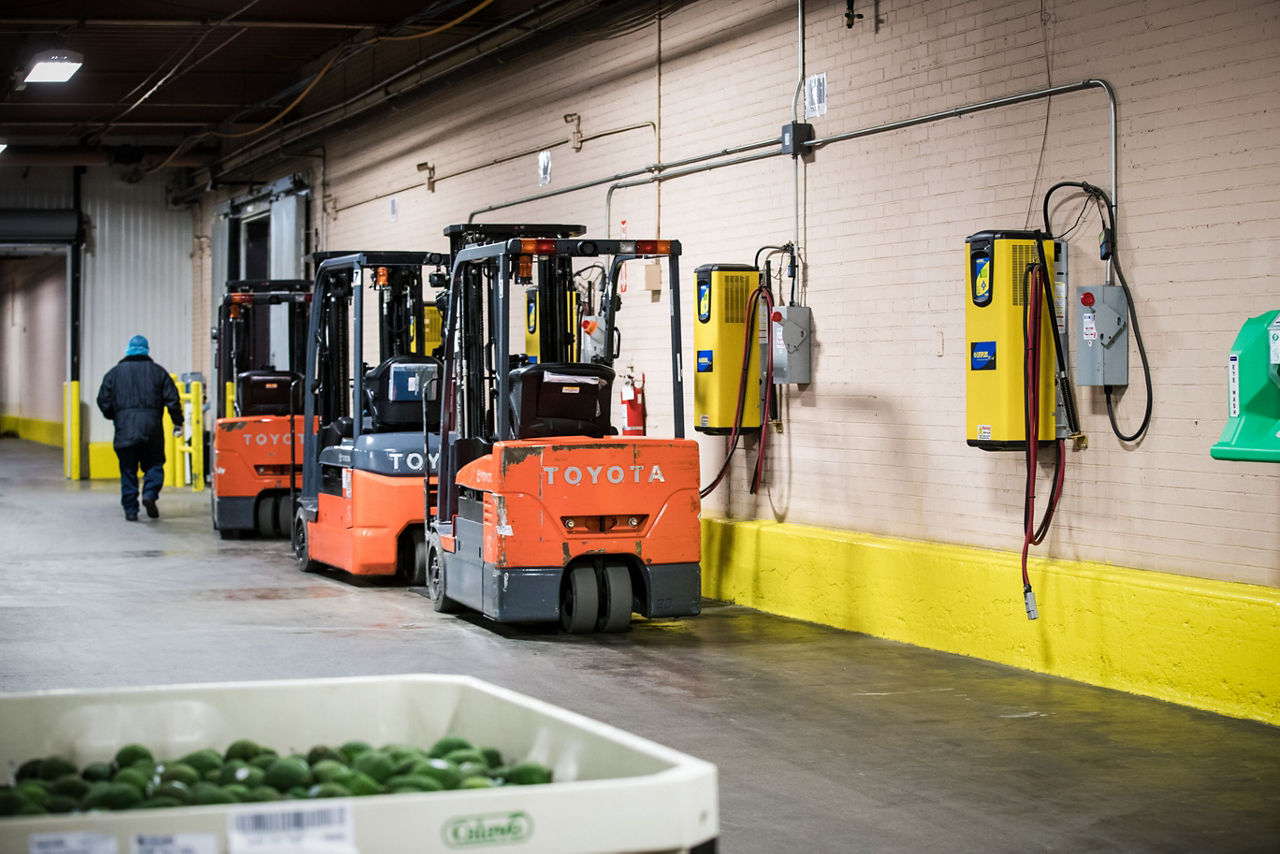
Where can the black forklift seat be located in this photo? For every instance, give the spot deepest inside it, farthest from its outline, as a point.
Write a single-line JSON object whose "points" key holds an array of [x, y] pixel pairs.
{"points": [[561, 399], [394, 393], [267, 393]]}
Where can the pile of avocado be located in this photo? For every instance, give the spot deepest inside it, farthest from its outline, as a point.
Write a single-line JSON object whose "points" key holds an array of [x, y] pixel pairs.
{"points": [[249, 773]]}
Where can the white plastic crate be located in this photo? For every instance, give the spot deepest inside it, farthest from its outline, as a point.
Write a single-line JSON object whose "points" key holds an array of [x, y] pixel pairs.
{"points": [[613, 791]]}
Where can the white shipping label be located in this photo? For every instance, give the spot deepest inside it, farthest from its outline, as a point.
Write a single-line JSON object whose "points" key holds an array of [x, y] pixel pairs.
{"points": [[72, 843], [173, 843], [1233, 386], [1273, 333], [1089, 327], [815, 95], [327, 827]]}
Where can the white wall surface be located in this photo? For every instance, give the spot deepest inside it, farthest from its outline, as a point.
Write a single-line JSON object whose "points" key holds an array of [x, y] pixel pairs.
{"points": [[876, 442], [33, 336], [137, 280]]}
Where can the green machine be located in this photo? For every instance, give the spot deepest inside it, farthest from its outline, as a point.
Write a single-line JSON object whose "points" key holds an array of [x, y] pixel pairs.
{"points": [[1253, 393]]}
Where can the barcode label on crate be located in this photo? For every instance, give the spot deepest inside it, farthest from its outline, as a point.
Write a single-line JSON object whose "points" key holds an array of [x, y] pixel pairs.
{"points": [[72, 843], [173, 843], [320, 828]]}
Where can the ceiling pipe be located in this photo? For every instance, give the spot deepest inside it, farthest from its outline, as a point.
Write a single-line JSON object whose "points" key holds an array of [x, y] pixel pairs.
{"points": [[82, 23], [19, 156]]}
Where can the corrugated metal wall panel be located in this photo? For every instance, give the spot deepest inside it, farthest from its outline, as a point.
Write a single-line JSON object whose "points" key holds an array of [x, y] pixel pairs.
{"points": [[137, 279], [36, 187]]}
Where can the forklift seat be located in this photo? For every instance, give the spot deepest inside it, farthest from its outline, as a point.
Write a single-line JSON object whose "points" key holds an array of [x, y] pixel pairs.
{"points": [[394, 393], [561, 399], [267, 393]]}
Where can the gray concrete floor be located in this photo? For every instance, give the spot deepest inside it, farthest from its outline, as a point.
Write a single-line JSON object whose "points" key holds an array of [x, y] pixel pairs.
{"points": [[825, 740]]}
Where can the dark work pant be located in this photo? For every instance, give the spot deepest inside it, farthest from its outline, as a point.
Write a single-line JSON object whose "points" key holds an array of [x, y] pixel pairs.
{"points": [[150, 456]]}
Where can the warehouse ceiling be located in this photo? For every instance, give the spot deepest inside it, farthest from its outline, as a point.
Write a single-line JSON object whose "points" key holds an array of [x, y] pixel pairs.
{"points": [[224, 84]]}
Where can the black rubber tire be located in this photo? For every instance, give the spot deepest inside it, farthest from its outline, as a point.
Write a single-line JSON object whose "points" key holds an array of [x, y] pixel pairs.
{"points": [[615, 599], [434, 570], [264, 515], [301, 550], [579, 601], [412, 560], [284, 515]]}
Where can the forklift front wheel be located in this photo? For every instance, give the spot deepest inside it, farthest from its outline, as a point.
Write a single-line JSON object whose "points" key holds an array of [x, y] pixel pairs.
{"points": [[301, 550], [580, 601], [435, 577]]}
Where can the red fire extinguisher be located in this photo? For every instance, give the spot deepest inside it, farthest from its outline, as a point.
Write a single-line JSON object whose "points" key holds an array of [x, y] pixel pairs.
{"points": [[633, 406]]}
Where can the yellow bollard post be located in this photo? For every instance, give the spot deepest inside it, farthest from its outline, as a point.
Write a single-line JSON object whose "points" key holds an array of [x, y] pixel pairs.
{"points": [[71, 429], [197, 436], [170, 465]]}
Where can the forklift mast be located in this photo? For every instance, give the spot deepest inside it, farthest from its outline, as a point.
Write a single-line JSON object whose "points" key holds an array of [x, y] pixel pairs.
{"points": [[244, 332]]}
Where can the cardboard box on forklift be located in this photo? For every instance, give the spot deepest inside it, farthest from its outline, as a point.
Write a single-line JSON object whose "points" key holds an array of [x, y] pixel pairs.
{"points": [[611, 790]]}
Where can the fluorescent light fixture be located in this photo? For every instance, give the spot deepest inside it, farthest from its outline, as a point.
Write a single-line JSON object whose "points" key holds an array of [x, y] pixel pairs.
{"points": [[53, 66], [3, 146]]}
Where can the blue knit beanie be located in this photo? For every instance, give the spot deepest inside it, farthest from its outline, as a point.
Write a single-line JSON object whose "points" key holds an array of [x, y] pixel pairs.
{"points": [[137, 346]]}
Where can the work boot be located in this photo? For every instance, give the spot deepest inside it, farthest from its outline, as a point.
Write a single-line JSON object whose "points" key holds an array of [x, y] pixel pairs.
{"points": [[131, 517], [152, 510]]}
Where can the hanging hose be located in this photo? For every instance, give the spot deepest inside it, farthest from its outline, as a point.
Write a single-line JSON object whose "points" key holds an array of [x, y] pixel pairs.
{"points": [[767, 296], [1110, 230], [1037, 293]]}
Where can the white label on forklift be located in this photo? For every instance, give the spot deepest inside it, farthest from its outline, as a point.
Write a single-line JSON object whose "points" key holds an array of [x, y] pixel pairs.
{"points": [[1089, 327], [346, 483], [1233, 386], [1273, 333], [173, 843], [72, 843], [323, 828], [984, 432]]}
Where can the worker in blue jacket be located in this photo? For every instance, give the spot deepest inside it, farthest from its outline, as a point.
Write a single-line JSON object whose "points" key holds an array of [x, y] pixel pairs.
{"points": [[134, 395]]}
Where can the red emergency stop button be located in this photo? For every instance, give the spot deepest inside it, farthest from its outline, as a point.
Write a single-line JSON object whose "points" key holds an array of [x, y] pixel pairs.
{"points": [[1086, 299], [776, 317]]}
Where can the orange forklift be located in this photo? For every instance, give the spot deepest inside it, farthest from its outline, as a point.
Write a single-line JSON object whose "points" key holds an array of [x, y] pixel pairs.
{"points": [[260, 343], [364, 462], [546, 514]]}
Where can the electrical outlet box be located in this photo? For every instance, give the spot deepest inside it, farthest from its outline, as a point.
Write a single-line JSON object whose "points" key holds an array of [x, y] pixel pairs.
{"points": [[794, 137], [792, 351], [1102, 336]]}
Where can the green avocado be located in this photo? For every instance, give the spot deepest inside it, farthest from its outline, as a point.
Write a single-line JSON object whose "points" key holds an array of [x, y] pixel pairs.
{"points": [[210, 793], [181, 773], [328, 790], [227, 773], [203, 761], [62, 804], [476, 782], [440, 769], [243, 749], [413, 783], [528, 774], [326, 769], [55, 767], [322, 752], [132, 777], [264, 759], [287, 773], [175, 789], [492, 757], [259, 794], [376, 764], [70, 786], [130, 754], [160, 802], [95, 771], [448, 744], [352, 749]]}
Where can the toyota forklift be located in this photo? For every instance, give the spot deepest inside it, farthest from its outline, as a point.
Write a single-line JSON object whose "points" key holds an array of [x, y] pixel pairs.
{"points": [[260, 345], [544, 513], [364, 460]]}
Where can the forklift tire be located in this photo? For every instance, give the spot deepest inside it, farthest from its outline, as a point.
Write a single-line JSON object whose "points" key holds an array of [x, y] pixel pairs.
{"points": [[265, 516], [579, 601], [433, 567], [615, 599], [300, 548], [284, 514], [412, 560]]}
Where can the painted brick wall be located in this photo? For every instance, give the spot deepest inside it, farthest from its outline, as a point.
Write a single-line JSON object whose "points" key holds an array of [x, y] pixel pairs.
{"points": [[876, 442]]}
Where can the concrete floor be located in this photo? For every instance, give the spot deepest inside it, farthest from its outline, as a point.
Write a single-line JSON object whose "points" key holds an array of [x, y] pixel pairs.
{"points": [[825, 741]]}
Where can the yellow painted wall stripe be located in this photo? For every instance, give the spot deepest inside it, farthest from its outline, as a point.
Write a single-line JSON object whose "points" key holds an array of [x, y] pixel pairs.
{"points": [[1207, 644], [34, 429]]}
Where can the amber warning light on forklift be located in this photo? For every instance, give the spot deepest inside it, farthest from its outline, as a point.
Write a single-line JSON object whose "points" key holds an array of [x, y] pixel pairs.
{"points": [[381, 279]]}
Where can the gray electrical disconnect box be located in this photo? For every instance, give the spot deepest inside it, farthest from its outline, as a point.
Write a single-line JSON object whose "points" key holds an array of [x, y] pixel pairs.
{"points": [[1102, 336], [792, 325]]}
